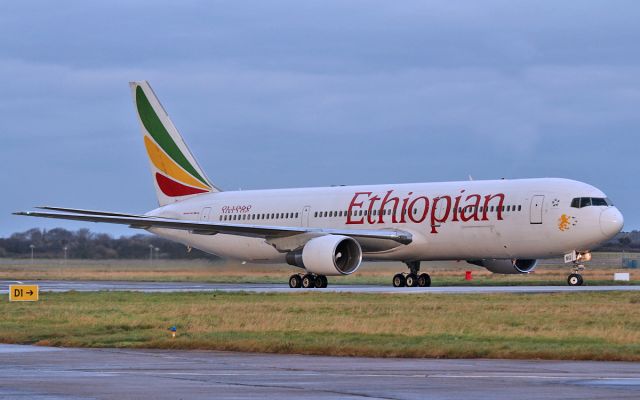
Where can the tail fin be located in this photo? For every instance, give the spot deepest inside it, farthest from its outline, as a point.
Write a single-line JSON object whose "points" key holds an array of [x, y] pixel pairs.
{"points": [[177, 175]]}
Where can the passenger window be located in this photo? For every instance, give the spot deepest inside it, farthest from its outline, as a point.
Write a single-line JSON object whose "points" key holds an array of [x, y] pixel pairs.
{"points": [[519, 207]]}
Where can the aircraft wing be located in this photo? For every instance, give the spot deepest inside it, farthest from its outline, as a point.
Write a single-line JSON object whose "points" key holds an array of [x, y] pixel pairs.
{"points": [[212, 228]]}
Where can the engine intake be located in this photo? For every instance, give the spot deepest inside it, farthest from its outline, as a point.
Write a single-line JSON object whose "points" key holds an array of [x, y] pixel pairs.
{"points": [[328, 255], [506, 266]]}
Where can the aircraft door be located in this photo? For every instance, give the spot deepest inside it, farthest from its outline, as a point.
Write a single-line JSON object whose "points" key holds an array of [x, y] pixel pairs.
{"points": [[304, 221], [206, 212], [537, 202]]}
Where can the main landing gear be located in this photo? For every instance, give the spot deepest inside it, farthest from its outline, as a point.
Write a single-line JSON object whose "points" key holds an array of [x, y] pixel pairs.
{"points": [[308, 281], [413, 278]]}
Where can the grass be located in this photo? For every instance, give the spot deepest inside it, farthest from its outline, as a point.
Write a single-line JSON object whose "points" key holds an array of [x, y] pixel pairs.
{"points": [[573, 326], [550, 272]]}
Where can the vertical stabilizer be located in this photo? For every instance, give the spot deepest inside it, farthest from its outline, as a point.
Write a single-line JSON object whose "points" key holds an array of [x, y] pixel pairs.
{"points": [[176, 173]]}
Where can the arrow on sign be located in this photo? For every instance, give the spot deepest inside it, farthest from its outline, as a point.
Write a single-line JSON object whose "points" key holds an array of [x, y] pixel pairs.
{"points": [[30, 292]]}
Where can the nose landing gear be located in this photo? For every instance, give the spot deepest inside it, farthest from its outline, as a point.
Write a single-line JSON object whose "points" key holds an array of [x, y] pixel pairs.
{"points": [[413, 278], [575, 278]]}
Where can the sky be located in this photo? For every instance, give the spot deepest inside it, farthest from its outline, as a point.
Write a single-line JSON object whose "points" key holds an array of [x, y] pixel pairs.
{"points": [[273, 94]]}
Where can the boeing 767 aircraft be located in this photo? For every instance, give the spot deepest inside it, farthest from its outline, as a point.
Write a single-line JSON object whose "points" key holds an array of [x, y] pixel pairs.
{"points": [[504, 226]]}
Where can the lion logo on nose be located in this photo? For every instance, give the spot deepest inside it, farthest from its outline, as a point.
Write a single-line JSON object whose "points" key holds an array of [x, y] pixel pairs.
{"points": [[565, 222]]}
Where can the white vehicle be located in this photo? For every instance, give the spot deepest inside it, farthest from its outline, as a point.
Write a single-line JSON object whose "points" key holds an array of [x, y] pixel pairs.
{"points": [[502, 225]]}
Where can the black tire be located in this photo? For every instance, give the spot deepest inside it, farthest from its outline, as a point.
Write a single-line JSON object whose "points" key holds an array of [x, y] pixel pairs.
{"points": [[412, 280], [575, 280], [399, 281], [308, 281], [295, 281], [320, 281], [424, 280]]}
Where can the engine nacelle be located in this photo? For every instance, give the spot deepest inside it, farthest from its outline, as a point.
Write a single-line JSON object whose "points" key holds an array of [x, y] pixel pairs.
{"points": [[506, 266], [328, 255]]}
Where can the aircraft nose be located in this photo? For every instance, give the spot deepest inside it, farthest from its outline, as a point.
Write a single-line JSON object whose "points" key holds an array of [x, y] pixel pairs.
{"points": [[611, 222]]}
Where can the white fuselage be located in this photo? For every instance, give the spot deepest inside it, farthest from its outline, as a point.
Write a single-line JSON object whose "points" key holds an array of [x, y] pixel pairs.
{"points": [[498, 219]]}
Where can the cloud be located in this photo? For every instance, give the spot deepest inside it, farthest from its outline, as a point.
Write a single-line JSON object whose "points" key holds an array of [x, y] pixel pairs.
{"points": [[272, 94]]}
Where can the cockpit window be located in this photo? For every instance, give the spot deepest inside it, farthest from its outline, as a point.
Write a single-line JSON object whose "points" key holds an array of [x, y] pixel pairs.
{"points": [[580, 202]]}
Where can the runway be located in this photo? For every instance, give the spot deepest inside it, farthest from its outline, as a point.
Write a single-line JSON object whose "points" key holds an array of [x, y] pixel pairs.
{"points": [[44, 373], [92, 286]]}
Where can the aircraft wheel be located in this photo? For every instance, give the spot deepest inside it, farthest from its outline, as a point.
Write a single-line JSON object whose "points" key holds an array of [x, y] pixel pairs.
{"points": [[323, 281], [412, 280], [575, 280], [424, 280], [308, 281], [295, 281], [399, 281]]}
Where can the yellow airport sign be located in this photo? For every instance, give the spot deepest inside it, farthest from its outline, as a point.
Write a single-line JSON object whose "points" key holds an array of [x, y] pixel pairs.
{"points": [[23, 292]]}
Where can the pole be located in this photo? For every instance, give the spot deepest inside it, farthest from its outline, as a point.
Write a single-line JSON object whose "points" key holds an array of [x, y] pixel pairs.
{"points": [[32, 247]]}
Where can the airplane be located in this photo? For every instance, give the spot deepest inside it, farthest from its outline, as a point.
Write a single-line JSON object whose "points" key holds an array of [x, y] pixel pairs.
{"points": [[503, 225]]}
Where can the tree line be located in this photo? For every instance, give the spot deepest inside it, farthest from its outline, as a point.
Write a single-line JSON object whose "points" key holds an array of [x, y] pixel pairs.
{"points": [[84, 244], [623, 241]]}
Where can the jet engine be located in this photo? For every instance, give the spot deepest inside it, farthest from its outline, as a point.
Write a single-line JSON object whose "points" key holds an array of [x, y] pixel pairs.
{"points": [[506, 266], [328, 255]]}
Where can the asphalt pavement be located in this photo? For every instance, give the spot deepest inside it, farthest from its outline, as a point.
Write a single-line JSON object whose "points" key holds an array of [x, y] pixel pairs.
{"points": [[45, 373]]}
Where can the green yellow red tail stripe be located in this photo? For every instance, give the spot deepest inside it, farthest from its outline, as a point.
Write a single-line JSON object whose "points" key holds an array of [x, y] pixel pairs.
{"points": [[168, 166], [174, 168], [156, 129]]}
